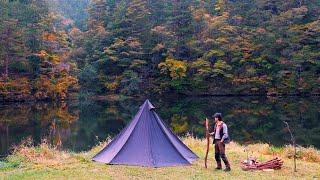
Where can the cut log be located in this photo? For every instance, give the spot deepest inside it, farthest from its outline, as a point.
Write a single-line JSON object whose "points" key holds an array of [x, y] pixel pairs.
{"points": [[253, 164]]}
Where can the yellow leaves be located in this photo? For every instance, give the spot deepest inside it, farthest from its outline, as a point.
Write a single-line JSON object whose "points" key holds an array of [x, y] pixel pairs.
{"points": [[113, 86], [54, 58], [176, 69]]}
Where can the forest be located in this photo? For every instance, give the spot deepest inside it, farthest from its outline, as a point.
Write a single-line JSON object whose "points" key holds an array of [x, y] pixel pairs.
{"points": [[56, 49]]}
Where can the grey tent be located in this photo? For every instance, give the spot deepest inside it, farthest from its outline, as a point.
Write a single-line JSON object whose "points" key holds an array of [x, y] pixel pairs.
{"points": [[146, 141]]}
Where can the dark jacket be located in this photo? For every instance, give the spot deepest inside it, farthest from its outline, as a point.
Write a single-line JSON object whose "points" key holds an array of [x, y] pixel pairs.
{"points": [[223, 134]]}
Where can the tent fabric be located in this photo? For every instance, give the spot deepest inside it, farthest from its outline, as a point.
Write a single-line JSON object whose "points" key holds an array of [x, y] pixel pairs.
{"points": [[146, 141]]}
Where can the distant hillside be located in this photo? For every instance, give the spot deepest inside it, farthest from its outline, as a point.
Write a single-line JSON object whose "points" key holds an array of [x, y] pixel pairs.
{"points": [[135, 47]]}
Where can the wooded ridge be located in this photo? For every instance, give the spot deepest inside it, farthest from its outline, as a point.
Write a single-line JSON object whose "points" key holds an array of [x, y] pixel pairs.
{"points": [[49, 49]]}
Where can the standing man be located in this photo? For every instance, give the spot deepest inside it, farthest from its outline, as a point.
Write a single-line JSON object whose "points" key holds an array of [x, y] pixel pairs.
{"points": [[221, 137]]}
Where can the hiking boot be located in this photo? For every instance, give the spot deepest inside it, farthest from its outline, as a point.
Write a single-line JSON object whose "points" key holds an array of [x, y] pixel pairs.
{"points": [[227, 169], [218, 168]]}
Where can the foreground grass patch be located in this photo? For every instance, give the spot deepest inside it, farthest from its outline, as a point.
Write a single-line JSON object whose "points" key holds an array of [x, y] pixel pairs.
{"points": [[43, 162]]}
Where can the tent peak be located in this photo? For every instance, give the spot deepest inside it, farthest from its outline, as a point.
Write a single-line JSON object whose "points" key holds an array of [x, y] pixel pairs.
{"points": [[148, 104]]}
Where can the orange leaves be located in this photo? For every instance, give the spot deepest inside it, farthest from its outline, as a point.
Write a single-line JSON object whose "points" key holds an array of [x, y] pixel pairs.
{"points": [[65, 116], [162, 30], [49, 37], [44, 87], [19, 88], [75, 33], [261, 30], [52, 58], [63, 85], [54, 88], [134, 43], [42, 54]]}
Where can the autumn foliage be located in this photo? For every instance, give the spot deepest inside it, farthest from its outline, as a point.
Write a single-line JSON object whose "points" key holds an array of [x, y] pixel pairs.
{"points": [[165, 47]]}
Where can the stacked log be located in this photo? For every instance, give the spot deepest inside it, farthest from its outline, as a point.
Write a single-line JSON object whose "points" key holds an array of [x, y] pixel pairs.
{"points": [[253, 164]]}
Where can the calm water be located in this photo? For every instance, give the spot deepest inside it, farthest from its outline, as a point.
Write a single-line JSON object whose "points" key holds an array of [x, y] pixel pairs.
{"points": [[78, 126]]}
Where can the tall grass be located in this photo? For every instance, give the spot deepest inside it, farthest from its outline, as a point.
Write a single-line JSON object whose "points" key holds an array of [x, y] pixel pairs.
{"points": [[48, 155], [46, 162], [41, 154]]}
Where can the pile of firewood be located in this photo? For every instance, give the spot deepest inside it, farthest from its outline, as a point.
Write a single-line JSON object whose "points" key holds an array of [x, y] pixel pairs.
{"points": [[253, 164]]}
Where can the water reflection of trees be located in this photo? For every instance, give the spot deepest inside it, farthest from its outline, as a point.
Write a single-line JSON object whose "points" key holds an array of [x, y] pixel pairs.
{"points": [[250, 119], [36, 120], [80, 125]]}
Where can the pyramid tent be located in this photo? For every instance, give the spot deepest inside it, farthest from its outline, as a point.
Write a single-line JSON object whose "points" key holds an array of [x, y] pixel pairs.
{"points": [[146, 141]]}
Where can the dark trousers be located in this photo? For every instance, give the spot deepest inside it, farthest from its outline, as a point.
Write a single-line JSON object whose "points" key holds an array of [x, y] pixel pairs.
{"points": [[219, 148]]}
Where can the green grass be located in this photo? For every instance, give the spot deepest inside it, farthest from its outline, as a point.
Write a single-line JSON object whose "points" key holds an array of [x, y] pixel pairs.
{"points": [[42, 162]]}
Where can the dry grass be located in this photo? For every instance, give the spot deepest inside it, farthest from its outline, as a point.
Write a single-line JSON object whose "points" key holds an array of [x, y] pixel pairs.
{"points": [[43, 162], [42, 154], [309, 154]]}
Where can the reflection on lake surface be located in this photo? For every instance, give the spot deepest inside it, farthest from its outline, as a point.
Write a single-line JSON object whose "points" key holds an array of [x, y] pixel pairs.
{"points": [[77, 126]]}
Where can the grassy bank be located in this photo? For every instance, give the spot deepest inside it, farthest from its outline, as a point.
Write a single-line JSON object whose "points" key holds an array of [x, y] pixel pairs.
{"points": [[42, 162]]}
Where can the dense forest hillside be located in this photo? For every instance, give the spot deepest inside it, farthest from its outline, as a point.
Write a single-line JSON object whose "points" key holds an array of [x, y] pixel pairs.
{"points": [[133, 47]]}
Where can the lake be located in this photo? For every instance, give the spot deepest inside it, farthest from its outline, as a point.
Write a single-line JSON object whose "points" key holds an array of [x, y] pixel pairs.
{"points": [[80, 125]]}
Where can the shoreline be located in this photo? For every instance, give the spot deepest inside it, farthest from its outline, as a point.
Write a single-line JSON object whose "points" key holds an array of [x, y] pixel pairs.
{"points": [[116, 97]]}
